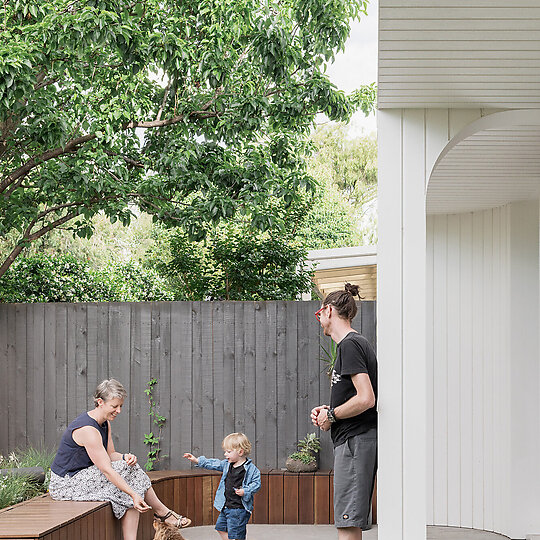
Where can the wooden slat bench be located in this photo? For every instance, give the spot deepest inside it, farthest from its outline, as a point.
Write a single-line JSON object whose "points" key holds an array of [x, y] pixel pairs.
{"points": [[287, 498]]}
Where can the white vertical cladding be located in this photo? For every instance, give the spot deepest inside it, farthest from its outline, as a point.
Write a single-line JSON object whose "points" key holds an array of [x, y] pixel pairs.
{"points": [[401, 326], [390, 490], [414, 324], [524, 370], [468, 277]]}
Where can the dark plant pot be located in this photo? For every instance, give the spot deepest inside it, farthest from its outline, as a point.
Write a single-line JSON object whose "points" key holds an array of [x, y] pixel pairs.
{"points": [[295, 465]]}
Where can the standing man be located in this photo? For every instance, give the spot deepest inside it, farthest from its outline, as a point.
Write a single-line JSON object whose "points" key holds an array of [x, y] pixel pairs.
{"points": [[351, 416]]}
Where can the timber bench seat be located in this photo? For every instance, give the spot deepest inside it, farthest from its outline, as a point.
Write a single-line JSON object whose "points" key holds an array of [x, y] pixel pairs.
{"points": [[284, 498]]}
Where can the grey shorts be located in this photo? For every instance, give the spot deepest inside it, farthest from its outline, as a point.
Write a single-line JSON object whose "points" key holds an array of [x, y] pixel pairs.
{"points": [[355, 466]]}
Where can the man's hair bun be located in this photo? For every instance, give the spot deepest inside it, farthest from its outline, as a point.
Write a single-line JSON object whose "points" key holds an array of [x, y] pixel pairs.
{"points": [[352, 289]]}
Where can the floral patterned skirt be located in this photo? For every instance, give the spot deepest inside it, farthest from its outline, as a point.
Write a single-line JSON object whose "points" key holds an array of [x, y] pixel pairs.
{"points": [[91, 485]]}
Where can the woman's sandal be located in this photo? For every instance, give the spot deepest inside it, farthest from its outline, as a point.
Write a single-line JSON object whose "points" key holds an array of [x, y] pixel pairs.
{"points": [[181, 521]]}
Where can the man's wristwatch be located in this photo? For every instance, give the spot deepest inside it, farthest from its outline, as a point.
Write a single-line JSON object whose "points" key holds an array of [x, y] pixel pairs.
{"points": [[331, 415]]}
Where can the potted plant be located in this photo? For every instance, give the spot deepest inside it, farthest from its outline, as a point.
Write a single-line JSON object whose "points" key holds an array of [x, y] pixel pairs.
{"points": [[305, 460]]}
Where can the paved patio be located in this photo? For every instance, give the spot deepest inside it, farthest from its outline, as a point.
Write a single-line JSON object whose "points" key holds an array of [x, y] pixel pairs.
{"points": [[328, 532]]}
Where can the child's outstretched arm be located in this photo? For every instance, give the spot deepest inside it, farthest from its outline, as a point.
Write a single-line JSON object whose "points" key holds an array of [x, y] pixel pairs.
{"points": [[207, 463], [191, 458]]}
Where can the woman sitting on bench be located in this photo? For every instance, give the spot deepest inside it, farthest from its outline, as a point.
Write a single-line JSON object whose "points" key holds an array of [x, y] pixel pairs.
{"points": [[88, 468]]}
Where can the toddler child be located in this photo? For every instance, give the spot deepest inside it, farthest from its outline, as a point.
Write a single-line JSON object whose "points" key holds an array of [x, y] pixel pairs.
{"points": [[240, 480]]}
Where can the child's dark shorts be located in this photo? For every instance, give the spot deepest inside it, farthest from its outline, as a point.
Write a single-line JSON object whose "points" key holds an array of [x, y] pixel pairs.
{"points": [[234, 522]]}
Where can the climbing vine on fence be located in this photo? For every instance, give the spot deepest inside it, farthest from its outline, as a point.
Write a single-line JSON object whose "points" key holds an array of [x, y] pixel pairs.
{"points": [[153, 440]]}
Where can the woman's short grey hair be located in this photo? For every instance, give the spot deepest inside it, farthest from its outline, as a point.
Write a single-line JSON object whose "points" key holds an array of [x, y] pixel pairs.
{"points": [[109, 389]]}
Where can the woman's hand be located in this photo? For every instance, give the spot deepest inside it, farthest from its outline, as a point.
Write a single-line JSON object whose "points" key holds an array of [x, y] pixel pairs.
{"points": [[191, 458], [139, 504], [130, 459]]}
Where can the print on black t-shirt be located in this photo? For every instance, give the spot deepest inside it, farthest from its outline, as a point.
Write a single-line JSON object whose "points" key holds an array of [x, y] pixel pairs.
{"points": [[354, 355]]}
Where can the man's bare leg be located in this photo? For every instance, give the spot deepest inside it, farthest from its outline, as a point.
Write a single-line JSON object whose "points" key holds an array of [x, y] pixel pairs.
{"points": [[349, 533]]}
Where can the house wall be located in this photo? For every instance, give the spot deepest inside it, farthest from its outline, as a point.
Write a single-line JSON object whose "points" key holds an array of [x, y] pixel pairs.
{"points": [[525, 370], [471, 393], [468, 323]]}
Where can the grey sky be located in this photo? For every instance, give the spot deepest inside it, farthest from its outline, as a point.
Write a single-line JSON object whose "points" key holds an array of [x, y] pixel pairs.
{"points": [[358, 64]]}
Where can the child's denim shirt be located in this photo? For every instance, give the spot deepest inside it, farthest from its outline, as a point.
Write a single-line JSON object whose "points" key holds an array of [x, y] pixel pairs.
{"points": [[251, 483]]}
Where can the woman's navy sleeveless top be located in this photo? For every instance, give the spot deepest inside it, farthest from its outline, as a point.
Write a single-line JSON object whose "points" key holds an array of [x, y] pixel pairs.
{"points": [[72, 458]]}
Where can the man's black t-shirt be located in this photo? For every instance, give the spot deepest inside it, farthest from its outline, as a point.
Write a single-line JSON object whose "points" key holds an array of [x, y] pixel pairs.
{"points": [[234, 479], [354, 355]]}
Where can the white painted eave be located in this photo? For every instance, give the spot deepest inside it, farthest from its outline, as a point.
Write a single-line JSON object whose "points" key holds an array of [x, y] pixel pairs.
{"points": [[492, 162], [459, 53]]}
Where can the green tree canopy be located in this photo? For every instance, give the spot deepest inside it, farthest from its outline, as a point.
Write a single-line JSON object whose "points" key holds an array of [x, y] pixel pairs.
{"points": [[46, 278], [224, 93]]}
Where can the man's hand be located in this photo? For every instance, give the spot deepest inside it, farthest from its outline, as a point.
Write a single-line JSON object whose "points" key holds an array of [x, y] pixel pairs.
{"points": [[315, 414], [322, 419]]}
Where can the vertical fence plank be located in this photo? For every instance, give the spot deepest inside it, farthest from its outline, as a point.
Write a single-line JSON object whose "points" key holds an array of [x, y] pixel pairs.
{"points": [[22, 373], [81, 358], [4, 368], [229, 367], [269, 416], [155, 346], [207, 418], [119, 366], [220, 391], [141, 372], [71, 369], [102, 345], [196, 406], [369, 326], [53, 430], [288, 395], [262, 403], [250, 377], [136, 395], [163, 397], [181, 389], [37, 396], [91, 351], [239, 368], [12, 417], [281, 383], [61, 367]]}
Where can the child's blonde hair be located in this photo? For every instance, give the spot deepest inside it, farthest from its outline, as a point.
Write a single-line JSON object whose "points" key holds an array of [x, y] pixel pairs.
{"points": [[237, 441]]}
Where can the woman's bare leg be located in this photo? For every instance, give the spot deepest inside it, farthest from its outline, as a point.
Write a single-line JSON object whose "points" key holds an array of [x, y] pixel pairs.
{"points": [[157, 506], [130, 524]]}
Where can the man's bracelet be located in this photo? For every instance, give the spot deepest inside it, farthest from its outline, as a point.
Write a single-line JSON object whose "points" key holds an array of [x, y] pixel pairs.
{"points": [[331, 415]]}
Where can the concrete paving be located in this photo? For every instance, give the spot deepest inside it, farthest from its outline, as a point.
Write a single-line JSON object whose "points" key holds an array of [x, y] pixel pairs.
{"points": [[328, 532]]}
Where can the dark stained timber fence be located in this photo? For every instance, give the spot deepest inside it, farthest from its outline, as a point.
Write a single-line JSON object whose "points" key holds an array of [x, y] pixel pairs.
{"points": [[221, 367]]}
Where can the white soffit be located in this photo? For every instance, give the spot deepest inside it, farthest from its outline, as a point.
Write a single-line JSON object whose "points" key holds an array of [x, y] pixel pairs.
{"points": [[488, 167], [466, 53]]}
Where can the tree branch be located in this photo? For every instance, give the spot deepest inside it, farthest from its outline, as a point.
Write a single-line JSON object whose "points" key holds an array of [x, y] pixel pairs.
{"points": [[74, 143]]}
